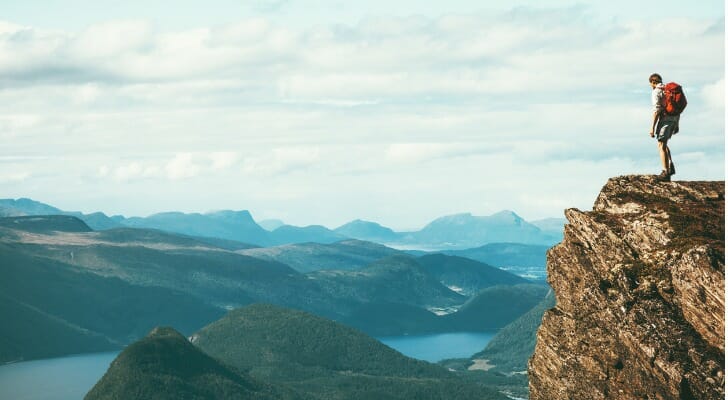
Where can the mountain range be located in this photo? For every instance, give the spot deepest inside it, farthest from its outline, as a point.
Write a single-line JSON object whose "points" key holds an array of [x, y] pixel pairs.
{"points": [[67, 287], [452, 232], [103, 289], [466, 230]]}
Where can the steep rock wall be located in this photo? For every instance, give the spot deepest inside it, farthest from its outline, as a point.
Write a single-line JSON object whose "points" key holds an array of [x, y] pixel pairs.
{"points": [[639, 285]]}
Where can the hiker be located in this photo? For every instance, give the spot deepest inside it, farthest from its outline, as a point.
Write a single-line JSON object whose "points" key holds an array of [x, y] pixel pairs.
{"points": [[664, 125]]}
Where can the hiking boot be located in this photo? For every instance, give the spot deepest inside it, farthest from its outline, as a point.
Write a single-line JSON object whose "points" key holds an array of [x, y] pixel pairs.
{"points": [[664, 176], [672, 169]]}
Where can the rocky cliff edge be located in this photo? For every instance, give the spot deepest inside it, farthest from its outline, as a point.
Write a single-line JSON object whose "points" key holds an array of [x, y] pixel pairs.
{"points": [[639, 285]]}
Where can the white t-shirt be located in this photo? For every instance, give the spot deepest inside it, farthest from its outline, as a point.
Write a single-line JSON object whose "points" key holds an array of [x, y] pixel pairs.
{"points": [[657, 95]]}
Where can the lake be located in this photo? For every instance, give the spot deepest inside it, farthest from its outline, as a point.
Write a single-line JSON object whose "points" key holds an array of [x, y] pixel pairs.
{"points": [[436, 347], [70, 378], [63, 378]]}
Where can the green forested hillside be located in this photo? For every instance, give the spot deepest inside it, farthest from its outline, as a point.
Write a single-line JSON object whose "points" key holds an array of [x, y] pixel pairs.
{"points": [[495, 307], [396, 279], [263, 334], [29, 333], [392, 319], [40, 293], [325, 359], [464, 275], [164, 365], [308, 257], [506, 254], [511, 348]]}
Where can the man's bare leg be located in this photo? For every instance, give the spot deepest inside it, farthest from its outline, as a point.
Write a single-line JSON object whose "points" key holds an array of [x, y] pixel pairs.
{"points": [[666, 158], [664, 155]]}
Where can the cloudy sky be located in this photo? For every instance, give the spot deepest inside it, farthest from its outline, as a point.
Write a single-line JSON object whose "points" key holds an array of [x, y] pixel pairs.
{"points": [[322, 111]]}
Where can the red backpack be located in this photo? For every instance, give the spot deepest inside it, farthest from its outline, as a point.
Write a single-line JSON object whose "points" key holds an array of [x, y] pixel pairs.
{"points": [[674, 99]]}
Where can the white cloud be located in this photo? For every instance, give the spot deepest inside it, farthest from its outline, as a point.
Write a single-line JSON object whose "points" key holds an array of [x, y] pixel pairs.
{"points": [[87, 93], [283, 160], [17, 124], [182, 166], [531, 51], [418, 152], [392, 108], [133, 171], [224, 159], [13, 176], [103, 171], [714, 94], [112, 40]]}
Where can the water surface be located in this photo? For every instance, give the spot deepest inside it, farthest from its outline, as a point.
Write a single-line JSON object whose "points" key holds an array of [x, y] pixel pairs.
{"points": [[436, 347], [64, 378]]}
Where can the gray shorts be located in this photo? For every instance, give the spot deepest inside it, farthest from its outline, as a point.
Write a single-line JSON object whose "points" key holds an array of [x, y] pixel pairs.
{"points": [[665, 127]]}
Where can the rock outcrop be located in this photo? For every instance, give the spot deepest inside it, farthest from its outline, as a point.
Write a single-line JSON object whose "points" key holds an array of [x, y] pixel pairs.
{"points": [[639, 285]]}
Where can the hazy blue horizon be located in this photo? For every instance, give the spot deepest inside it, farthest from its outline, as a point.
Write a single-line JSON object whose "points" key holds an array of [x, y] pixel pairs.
{"points": [[258, 221]]}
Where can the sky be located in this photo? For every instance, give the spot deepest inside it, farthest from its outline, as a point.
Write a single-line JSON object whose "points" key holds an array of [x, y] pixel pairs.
{"points": [[321, 112]]}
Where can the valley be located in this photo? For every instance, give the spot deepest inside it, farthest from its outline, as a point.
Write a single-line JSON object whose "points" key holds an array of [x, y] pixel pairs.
{"points": [[57, 269], [90, 291]]}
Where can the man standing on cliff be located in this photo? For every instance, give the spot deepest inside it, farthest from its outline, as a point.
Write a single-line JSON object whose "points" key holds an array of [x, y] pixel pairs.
{"points": [[663, 127]]}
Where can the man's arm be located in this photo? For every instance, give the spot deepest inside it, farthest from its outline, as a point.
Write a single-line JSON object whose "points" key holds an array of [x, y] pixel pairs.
{"points": [[657, 109]]}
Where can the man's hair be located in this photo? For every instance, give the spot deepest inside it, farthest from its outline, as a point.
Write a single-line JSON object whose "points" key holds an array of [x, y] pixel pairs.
{"points": [[655, 78]]}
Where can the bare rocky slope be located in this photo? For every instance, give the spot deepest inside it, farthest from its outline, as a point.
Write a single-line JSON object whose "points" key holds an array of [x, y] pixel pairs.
{"points": [[639, 285]]}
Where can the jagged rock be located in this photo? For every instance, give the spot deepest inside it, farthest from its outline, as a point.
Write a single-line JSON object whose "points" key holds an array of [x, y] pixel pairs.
{"points": [[639, 285]]}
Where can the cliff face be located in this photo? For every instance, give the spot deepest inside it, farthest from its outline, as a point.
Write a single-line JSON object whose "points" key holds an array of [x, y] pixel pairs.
{"points": [[639, 285]]}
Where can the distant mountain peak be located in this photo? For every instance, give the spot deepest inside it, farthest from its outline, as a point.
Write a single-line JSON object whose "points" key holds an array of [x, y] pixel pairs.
{"points": [[508, 216], [241, 214], [469, 216], [359, 222], [466, 230], [506, 213], [367, 230], [26, 206]]}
